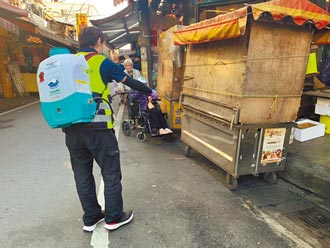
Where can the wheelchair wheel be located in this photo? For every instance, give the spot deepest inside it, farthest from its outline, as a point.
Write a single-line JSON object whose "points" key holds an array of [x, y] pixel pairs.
{"points": [[141, 136], [126, 128]]}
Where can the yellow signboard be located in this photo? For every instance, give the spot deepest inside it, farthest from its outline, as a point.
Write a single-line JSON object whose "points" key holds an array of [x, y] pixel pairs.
{"points": [[173, 110], [82, 22]]}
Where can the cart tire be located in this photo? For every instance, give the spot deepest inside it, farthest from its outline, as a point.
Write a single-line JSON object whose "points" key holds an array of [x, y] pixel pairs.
{"points": [[126, 128], [187, 151], [231, 182], [270, 177], [141, 136]]}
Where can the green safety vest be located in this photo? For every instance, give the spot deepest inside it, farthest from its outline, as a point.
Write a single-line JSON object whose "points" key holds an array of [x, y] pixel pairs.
{"points": [[104, 112]]}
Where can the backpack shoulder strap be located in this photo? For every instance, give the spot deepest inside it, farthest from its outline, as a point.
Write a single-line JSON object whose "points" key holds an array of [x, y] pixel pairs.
{"points": [[89, 55]]}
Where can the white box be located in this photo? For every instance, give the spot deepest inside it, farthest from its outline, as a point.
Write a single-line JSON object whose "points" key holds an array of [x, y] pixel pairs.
{"points": [[322, 106], [313, 130]]}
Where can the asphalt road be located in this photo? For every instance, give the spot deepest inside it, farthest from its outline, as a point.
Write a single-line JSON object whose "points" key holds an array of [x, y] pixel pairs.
{"points": [[178, 201]]}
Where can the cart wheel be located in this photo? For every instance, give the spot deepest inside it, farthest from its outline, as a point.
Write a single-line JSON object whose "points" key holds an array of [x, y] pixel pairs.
{"points": [[187, 150], [232, 182], [126, 128], [141, 136], [270, 177]]}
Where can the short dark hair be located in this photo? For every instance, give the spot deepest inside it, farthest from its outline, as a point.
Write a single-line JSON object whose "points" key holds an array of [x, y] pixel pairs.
{"points": [[89, 36]]}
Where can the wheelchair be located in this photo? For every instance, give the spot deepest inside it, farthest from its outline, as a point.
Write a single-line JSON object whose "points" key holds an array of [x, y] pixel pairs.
{"points": [[139, 120]]}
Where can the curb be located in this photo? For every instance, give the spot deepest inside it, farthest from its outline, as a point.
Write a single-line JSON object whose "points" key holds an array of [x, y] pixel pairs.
{"points": [[307, 175], [18, 108]]}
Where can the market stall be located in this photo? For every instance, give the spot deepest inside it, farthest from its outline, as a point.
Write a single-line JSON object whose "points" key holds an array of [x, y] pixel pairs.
{"points": [[9, 33], [33, 47], [243, 79]]}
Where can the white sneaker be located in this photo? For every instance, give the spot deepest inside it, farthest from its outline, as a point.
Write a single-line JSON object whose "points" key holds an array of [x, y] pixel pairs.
{"points": [[91, 228], [162, 131]]}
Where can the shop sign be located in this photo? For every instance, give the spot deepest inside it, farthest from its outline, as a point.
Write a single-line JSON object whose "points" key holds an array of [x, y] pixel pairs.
{"points": [[33, 39]]}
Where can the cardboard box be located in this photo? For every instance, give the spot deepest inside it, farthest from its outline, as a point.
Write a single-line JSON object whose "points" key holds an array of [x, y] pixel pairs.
{"points": [[308, 130], [322, 106]]}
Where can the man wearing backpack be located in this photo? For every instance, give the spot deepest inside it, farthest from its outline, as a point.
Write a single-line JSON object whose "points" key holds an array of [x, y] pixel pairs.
{"points": [[97, 140]]}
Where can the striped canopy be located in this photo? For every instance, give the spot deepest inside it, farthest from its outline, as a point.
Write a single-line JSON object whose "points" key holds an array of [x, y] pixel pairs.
{"points": [[233, 24]]}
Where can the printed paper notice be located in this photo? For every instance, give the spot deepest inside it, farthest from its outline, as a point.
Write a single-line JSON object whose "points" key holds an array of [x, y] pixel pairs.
{"points": [[272, 147]]}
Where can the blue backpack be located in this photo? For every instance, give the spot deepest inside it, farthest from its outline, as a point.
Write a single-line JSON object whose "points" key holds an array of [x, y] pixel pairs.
{"points": [[64, 89]]}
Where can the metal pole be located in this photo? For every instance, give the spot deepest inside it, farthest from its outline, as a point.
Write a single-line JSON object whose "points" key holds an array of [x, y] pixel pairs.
{"points": [[145, 38]]}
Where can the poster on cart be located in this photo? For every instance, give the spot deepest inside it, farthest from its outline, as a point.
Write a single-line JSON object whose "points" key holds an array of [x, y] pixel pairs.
{"points": [[272, 148]]}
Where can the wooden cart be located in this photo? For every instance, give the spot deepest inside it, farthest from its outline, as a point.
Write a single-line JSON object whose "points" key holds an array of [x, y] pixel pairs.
{"points": [[243, 80], [170, 77]]}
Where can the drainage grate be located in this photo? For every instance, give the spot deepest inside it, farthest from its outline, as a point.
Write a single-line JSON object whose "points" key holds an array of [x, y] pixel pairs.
{"points": [[316, 221]]}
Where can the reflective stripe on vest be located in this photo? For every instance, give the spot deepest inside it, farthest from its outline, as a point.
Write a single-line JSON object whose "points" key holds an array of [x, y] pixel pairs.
{"points": [[99, 89]]}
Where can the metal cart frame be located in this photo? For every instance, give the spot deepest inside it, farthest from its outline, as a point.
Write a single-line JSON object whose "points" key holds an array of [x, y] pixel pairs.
{"points": [[237, 149]]}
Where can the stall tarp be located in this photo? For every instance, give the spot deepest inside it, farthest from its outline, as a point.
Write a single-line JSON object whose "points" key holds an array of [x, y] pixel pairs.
{"points": [[52, 35], [226, 26], [121, 28], [301, 12], [24, 24], [322, 37], [220, 27], [10, 10]]}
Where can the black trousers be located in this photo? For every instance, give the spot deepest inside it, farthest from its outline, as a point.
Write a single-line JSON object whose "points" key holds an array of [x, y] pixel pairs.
{"points": [[86, 145], [157, 118]]}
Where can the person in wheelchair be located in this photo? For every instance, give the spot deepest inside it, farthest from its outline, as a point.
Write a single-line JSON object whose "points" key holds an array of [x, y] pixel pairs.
{"points": [[150, 106], [157, 117], [131, 72]]}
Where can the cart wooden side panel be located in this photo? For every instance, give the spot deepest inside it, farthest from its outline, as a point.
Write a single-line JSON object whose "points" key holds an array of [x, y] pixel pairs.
{"points": [[275, 72], [260, 74], [170, 67], [214, 76], [216, 70]]}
